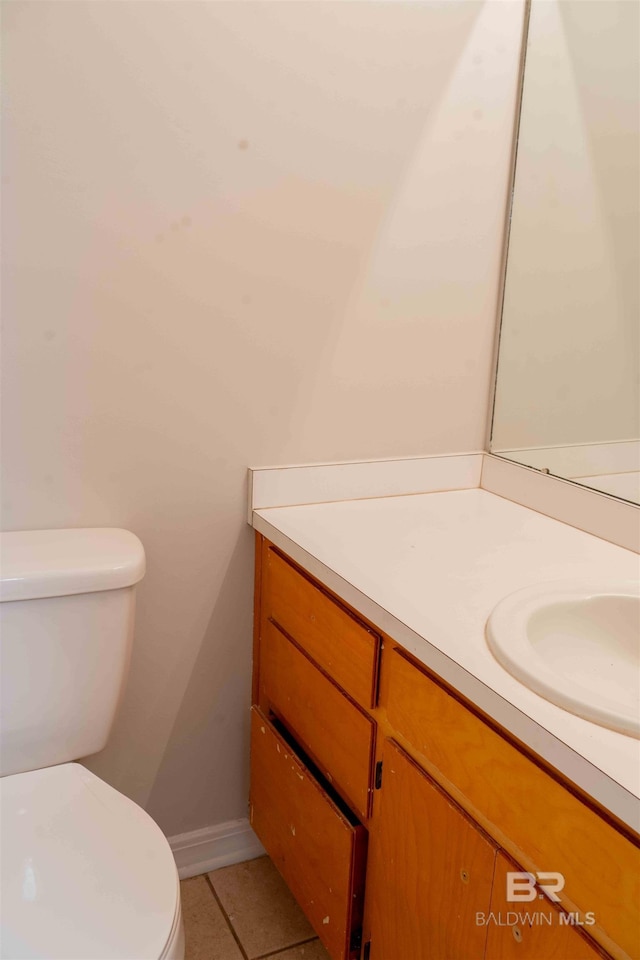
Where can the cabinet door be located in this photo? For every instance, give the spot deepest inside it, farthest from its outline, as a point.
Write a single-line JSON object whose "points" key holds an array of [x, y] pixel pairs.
{"points": [[529, 930], [319, 849], [431, 870], [543, 820]]}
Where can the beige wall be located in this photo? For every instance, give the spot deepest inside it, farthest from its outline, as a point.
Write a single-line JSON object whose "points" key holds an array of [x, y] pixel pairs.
{"points": [[237, 233]]}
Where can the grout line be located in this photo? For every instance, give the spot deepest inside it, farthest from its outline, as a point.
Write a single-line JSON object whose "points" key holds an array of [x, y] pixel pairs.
{"points": [[281, 950], [227, 920], [263, 956]]}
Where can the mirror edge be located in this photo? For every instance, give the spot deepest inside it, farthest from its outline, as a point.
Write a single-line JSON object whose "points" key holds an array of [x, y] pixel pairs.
{"points": [[506, 233]]}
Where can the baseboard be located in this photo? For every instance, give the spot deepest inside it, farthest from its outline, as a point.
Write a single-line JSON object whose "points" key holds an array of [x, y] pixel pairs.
{"points": [[213, 847]]}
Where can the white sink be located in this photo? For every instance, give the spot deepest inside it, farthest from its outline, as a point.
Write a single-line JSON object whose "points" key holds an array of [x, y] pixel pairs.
{"points": [[576, 645]]}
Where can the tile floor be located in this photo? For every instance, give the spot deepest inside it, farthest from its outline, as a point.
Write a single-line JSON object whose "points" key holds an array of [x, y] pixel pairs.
{"points": [[245, 912]]}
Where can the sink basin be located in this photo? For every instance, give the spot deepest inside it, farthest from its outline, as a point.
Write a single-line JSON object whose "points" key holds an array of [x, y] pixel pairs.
{"points": [[576, 645]]}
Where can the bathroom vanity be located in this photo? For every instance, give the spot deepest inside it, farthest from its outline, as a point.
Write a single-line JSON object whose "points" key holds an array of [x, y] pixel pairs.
{"points": [[400, 783]]}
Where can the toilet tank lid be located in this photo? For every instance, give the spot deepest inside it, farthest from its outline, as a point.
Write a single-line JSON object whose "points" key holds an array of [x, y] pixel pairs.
{"points": [[58, 563]]}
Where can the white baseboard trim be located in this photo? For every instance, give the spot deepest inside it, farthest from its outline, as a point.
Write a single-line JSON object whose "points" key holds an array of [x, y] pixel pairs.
{"points": [[213, 847]]}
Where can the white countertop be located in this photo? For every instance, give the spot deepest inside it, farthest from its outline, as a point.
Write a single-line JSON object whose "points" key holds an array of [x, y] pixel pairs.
{"points": [[428, 570]]}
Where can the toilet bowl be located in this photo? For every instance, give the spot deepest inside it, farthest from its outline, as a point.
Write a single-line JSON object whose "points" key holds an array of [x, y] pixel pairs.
{"points": [[86, 874]]}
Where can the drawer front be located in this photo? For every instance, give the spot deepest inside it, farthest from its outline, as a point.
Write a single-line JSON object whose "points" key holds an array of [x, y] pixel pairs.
{"points": [[342, 645], [337, 734], [550, 827], [318, 851]]}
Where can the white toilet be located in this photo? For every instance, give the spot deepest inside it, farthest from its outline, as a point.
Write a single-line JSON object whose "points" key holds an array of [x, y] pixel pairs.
{"points": [[86, 873]]}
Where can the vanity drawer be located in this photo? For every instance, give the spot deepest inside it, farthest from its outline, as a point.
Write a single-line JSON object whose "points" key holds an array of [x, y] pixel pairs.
{"points": [[319, 850], [335, 639], [538, 819], [337, 734]]}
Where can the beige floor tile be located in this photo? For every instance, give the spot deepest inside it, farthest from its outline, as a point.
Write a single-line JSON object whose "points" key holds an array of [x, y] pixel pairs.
{"points": [[206, 932], [306, 951], [260, 907]]}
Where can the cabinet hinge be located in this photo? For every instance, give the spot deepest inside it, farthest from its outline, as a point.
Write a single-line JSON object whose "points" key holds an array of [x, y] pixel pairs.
{"points": [[378, 779], [355, 941], [367, 950]]}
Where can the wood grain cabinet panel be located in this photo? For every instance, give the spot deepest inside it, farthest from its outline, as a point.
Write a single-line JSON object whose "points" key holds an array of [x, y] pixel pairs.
{"points": [[335, 639], [431, 870], [337, 734], [549, 827], [454, 789], [319, 850], [531, 930]]}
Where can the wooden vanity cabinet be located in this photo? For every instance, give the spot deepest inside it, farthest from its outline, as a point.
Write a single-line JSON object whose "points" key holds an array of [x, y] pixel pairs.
{"points": [[337, 641], [314, 841], [437, 884], [333, 730], [430, 869], [395, 810], [518, 932], [313, 745], [539, 818]]}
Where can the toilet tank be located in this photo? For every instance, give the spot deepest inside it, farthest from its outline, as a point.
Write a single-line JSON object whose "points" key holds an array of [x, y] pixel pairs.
{"points": [[67, 600]]}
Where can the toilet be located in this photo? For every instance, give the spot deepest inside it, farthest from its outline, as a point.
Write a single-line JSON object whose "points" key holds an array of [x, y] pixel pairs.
{"points": [[86, 873]]}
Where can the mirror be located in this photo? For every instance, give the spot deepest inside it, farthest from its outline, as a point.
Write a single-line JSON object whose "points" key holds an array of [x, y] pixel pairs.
{"points": [[567, 397]]}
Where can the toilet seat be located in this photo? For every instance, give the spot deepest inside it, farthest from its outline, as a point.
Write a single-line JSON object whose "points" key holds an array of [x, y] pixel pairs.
{"points": [[86, 873]]}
